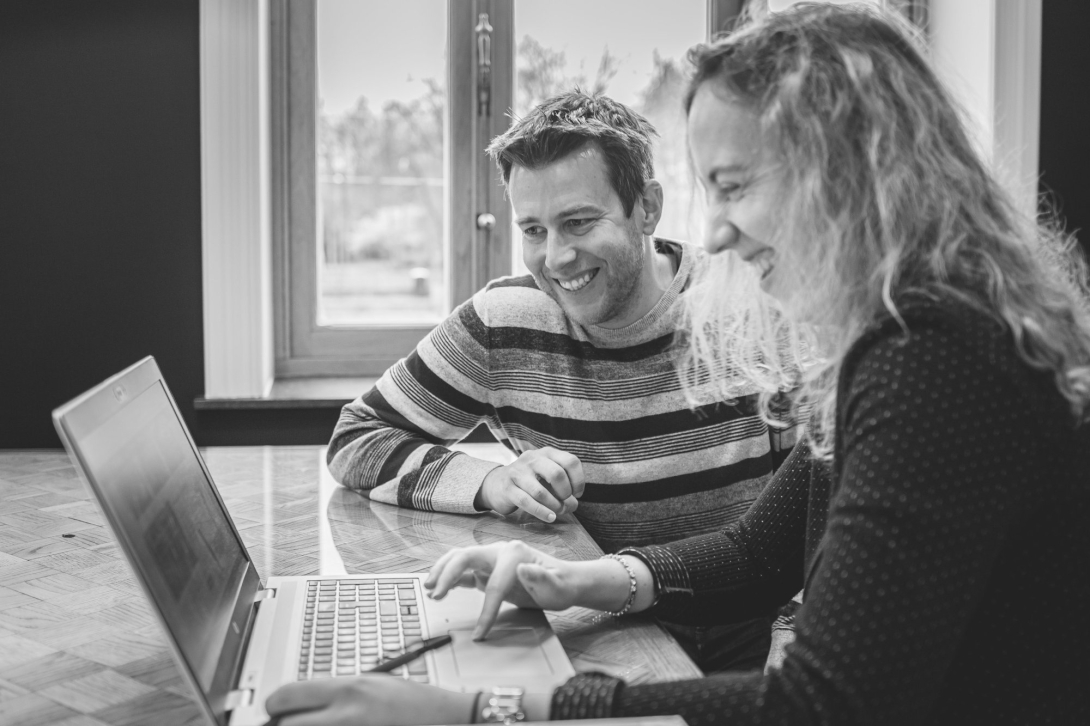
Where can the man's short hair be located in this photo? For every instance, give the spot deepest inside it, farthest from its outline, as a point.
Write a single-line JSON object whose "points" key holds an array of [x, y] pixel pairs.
{"points": [[571, 121]]}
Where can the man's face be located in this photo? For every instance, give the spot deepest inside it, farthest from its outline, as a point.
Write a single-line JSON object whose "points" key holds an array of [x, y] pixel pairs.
{"points": [[576, 240]]}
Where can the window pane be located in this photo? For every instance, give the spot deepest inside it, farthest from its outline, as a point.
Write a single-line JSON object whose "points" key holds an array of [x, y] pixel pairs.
{"points": [[634, 52], [381, 180]]}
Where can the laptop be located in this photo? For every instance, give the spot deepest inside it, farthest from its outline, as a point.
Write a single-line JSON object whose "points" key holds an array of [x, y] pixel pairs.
{"points": [[235, 638]]}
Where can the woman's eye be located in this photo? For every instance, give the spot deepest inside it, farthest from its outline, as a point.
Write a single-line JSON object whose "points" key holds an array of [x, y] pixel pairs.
{"points": [[729, 190]]}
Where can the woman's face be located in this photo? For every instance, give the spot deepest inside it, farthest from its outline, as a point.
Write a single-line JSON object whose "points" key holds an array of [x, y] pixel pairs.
{"points": [[741, 183]]}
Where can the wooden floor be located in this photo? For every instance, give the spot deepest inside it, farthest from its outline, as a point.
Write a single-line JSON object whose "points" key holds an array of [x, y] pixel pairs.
{"points": [[79, 647]]}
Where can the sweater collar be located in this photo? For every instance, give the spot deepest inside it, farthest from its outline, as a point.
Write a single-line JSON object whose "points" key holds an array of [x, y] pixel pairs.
{"points": [[661, 318]]}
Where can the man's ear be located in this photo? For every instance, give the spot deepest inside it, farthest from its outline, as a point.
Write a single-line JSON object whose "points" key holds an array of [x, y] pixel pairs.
{"points": [[651, 201]]}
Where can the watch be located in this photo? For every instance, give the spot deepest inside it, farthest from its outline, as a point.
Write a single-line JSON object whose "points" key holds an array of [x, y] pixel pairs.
{"points": [[504, 706]]}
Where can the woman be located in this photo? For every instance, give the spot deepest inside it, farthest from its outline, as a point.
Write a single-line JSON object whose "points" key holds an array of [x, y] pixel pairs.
{"points": [[938, 521]]}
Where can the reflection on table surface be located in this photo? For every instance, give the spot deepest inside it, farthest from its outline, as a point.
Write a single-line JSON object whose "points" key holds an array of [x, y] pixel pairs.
{"points": [[78, 642]]}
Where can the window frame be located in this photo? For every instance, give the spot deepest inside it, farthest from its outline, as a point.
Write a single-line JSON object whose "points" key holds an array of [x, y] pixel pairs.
{"points": [[474, 254]]}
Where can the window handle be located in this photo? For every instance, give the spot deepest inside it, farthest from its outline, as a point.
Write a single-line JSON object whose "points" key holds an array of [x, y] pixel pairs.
{"points": [[484, 65]]}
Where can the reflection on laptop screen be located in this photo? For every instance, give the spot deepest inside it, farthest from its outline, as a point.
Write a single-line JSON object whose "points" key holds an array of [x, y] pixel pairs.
{"points": [[154, 486]]}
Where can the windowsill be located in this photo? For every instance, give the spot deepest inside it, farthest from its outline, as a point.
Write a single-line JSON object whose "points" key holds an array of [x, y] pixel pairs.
{"points": [[297, 393], [319, 394]]}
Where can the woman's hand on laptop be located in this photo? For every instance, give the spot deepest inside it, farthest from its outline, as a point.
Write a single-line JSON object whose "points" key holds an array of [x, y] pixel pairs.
{"points": [[544, 482], [373, 699], [517, 573]]}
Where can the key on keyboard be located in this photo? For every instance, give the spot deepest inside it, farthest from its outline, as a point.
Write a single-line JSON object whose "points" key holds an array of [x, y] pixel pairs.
{"points": [[350, 626]]}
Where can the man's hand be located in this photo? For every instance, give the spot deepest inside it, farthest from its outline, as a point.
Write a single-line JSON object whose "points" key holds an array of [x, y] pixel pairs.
{"points": [[377, 699], [544, 483]]}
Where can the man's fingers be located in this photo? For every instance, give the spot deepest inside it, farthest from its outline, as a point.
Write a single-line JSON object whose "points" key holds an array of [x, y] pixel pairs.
{"points": [[572, 467], [554, 477], [531, 504], [539, 482]]}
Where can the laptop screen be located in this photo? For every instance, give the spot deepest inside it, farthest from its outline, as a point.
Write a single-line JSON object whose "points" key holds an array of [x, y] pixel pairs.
{"points": [[156, 491]]}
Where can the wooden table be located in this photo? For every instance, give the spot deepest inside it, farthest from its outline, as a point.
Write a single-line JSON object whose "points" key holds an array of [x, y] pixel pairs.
{"points": [[79, 647]]}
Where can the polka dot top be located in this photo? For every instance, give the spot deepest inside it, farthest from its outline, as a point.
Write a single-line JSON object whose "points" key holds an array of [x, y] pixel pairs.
{"points": [[945, 555]]}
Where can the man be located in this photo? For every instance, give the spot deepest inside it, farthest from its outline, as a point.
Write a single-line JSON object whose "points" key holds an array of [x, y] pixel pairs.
{"points": [[572, 368]]}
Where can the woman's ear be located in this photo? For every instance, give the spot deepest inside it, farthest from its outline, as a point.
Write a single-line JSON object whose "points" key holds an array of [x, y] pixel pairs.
{"points": [[651, 201]]}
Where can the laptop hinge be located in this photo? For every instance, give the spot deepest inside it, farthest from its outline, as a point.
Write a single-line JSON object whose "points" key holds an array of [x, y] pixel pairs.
{"points": [[238, 699], [266, 594]]}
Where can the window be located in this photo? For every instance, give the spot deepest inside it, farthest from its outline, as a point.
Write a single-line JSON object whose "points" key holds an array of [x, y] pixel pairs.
{"points": [[392, 213], [389, 212]]}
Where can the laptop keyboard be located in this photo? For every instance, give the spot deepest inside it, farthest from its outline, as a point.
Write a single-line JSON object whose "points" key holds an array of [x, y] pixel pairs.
{"points": [[350, 626]]}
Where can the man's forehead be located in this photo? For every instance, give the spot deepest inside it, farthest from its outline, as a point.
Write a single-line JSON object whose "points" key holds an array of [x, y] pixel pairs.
{"points": [[577, 180], [587, 154]]}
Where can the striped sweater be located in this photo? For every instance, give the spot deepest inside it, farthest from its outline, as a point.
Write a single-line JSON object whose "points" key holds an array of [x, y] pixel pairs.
{"points": [[656, 470]]}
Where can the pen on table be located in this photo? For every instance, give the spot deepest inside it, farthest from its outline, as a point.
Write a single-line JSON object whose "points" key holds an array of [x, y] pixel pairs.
{"points": [[388, 665], [411, 655]]}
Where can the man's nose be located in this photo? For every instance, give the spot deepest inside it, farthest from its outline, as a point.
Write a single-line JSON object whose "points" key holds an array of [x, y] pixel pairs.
{"points": [[557, 253], [720, 235]]}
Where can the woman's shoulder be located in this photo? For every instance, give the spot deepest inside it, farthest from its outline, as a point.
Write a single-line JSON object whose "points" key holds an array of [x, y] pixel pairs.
{"points": [[945, 343], [917, 320]]}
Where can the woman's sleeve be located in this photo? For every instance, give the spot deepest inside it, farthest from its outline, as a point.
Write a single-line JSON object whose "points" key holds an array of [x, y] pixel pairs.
{"points": [[745, 570], [932, 439]]}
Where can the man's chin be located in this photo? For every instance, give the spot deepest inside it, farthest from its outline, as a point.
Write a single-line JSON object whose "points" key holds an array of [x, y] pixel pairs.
{"points": [[583, 314], [580, 314]]}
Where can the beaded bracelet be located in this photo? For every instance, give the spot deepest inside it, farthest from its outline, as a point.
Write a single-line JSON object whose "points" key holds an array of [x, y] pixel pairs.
{"points": [[631, 590]]}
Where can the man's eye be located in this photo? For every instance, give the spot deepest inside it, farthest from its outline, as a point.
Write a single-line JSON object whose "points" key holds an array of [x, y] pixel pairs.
{"points": [[578, 223], [532, 231]]}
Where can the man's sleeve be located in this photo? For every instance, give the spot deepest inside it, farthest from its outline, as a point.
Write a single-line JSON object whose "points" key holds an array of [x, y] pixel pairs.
{"points": [[391, 441]]}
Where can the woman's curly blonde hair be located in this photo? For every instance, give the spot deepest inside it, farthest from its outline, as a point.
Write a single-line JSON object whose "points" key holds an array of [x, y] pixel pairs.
{"points": [[885, 197]]}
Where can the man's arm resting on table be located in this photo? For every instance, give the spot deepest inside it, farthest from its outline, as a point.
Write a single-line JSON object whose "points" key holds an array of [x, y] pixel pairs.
{"points": [[370, 452], [408, 469], [391, 441]]}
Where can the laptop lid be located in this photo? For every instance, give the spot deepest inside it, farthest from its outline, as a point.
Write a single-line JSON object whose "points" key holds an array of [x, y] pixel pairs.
{"points": [[129, 441]]}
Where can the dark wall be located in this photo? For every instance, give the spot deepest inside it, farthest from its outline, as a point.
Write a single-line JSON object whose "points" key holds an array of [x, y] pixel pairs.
{"points": [[100, 214], [100, 187], [1065, 114]]}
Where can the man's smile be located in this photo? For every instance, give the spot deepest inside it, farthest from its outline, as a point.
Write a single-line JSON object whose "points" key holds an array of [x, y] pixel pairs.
{"points": [[576, 284]]}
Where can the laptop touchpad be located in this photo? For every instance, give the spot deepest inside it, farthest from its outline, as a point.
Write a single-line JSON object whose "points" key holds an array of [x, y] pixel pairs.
{"points": [[512, 652]]}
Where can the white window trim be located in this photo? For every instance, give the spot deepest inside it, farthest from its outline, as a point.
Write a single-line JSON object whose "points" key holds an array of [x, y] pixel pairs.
{"points": [[235, 204], [997, 78], [1001, 90], [1018, 97]]}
